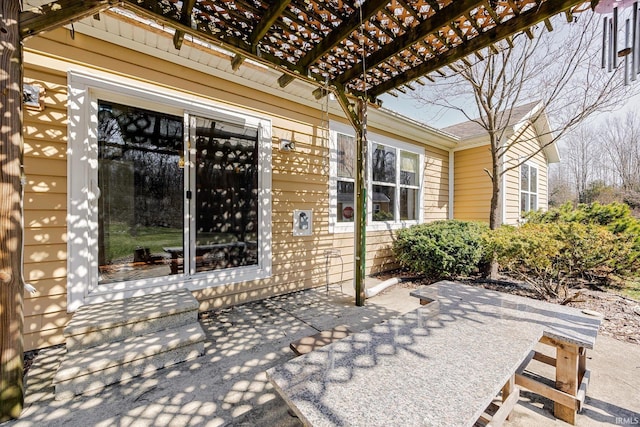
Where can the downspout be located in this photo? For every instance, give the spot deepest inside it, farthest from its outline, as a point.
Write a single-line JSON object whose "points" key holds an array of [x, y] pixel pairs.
{"points": [[452, 176], [358, 120]]}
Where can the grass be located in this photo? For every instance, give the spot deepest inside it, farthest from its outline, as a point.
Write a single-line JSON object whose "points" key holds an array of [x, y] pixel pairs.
{"points": [[122, 243], [632, 290]]}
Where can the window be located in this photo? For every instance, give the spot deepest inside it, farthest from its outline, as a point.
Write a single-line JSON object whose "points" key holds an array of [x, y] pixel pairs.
{"points": [[395, 175], [528, 188], [164, 192], [383, 176], [346, 155], [409, 186]]}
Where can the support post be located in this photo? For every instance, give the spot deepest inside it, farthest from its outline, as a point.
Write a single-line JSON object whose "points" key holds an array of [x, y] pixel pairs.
{"points": [[358, 119], [567, 364], [361, 203], [11, 282]]}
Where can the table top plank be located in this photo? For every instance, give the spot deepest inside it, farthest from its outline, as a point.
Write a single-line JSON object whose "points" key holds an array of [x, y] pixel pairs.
{"points": [[439, 365]]}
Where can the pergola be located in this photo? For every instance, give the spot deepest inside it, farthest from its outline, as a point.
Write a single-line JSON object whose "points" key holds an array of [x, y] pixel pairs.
{"points": [[358, 50]]}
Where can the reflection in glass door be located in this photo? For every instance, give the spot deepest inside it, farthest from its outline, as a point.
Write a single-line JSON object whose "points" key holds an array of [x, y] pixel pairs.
{"points": [[225, 207], [140, 197]]}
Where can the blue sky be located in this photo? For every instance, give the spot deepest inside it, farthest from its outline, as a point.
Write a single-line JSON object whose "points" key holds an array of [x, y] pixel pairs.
{"points": [[433, 117]]}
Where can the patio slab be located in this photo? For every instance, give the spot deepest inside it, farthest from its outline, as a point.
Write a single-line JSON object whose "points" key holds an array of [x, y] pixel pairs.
{"points": [[228, 385]]}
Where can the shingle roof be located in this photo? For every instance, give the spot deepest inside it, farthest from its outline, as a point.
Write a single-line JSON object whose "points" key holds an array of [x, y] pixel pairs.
{"points": [[469, 129]]}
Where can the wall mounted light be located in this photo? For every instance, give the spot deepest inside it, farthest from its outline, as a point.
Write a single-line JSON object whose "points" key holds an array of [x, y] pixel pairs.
{"points": [[33, 96], [287, 145]]}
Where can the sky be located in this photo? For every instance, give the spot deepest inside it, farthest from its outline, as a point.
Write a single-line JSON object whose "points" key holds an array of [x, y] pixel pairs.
{"points": [[433, 117], [438, 118]]}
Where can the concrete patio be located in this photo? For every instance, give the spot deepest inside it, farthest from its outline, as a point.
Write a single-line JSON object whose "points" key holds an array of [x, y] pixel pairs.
{"points": [[228, 386]]}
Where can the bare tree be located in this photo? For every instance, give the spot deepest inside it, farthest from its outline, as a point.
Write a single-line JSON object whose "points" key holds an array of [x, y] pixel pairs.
{"points": [[581, 159], [561, 188], [621, 143], [559, 69]]}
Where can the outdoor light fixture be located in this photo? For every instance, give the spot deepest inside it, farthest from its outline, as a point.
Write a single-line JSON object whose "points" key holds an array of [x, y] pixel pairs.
{"points": [[287, 145], [630, 52]]}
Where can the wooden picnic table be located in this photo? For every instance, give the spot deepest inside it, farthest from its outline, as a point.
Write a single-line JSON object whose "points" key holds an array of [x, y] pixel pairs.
{"points": [[177, 253], [440, 365]]}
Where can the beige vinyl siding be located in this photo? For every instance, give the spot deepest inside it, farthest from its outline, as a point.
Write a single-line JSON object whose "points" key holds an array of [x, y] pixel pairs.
{"points": [[299, 181], [436, 184], [472, 185], [527, 143], [45, 211]]}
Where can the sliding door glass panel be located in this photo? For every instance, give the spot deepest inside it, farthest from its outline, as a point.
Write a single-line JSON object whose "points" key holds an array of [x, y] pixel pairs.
{"points": [[141, 186], [226, 195]]}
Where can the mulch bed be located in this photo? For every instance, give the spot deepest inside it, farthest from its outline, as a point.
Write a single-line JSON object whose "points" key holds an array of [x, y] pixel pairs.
{"points": [[621, 315]]}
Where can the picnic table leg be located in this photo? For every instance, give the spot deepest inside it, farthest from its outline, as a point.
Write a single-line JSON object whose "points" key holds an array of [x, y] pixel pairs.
{"points": [[174, 263], [509, 388], [567, 380]]}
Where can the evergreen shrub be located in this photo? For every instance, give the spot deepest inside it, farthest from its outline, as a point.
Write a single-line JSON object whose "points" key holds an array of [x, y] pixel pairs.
{"points": [[441, 249]]}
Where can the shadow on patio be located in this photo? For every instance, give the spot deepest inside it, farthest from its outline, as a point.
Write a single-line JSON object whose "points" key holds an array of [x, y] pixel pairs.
{"points": [[225, 386], [228, 384]]}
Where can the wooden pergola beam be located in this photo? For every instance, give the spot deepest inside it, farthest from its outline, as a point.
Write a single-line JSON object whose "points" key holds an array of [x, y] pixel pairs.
{"points": [[58, 13], [231, 44], [268, 19], [338, 35], [185, 18], [523, 22], [11, 175], [369, 8], [430, 26]]}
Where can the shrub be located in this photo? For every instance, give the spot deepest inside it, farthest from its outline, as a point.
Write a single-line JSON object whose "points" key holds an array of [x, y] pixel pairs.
{"points": [[617, 217], [441, 249], [554, 256]]}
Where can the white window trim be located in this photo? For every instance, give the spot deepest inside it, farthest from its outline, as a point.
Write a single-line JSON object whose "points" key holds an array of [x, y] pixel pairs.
{"points": [[84, 90], [537, 193], [372, 138]]}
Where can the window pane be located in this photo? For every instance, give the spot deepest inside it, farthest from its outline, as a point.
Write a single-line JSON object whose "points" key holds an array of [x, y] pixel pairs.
{"points": [[140, 176], [383, 164], [346, 203], [524, 201], [534, 179], [226, 195], [524, 178], [408, 168], [408, 204], [533, 202], [383, 203], [346, 156]]}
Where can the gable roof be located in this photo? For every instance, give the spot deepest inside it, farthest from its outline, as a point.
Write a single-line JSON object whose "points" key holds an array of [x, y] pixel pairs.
{"points": [[471, 128], [532, 112]]}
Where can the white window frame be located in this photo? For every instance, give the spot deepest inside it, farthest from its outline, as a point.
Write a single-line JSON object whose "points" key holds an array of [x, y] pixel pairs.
{"points": [[530, 165], [372, 138], [82, 261]]}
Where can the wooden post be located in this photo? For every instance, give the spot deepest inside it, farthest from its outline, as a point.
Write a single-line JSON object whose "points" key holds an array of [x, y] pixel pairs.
{"points": [[566, 380], [358, 120], [11, 282], [361, 203]]}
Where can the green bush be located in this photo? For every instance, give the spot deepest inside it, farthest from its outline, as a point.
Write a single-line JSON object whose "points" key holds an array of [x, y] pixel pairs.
{"points": [[441, 249], [555, 255], [615, 216]]}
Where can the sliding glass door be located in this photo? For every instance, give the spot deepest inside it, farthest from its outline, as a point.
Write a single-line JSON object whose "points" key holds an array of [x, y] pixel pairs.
{"points": [[167, 209], [224, 229]]}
